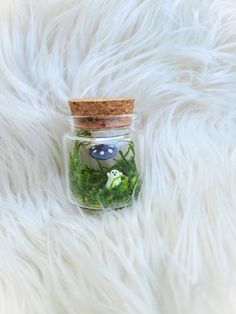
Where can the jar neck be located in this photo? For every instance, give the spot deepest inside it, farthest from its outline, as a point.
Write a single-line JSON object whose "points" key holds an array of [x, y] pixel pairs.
{"points": [[114, 132], [103, 125]]}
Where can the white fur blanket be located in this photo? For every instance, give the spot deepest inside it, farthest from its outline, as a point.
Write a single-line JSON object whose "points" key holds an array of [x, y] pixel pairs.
{"points": [[173, 251]]}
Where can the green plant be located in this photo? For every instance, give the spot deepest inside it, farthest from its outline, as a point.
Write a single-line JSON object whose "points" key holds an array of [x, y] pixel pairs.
{"points": [[88, 185]]}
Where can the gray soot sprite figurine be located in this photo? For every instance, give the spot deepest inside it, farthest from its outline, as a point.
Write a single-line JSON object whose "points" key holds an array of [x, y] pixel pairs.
{"points": [[103, 151]]}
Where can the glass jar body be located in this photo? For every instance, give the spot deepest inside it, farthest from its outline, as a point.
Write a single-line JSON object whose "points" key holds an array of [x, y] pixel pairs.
{"points": [[101, 172]]}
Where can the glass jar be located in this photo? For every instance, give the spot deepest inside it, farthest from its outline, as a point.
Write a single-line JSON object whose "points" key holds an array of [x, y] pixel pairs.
{"points": [[101, 172]]}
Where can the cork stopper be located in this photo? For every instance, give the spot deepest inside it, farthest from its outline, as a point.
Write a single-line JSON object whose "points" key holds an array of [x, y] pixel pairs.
{"points": [[102, 113]]}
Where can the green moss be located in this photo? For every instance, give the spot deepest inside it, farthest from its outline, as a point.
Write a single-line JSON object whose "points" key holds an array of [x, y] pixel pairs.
{"points": [[89, 185]]}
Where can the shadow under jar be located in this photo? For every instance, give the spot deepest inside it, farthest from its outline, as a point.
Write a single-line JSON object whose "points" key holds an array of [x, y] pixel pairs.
{"points": [[100, 161]]}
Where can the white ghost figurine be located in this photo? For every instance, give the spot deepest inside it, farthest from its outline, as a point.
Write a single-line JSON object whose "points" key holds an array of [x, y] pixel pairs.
{"points": [[114, 178]]}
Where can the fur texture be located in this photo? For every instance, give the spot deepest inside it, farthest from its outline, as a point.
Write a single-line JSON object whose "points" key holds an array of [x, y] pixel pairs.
{"points": [[173, 251]]}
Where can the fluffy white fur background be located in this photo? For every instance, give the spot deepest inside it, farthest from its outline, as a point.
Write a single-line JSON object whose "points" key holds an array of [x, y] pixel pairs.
{"points": [[173, 251]]}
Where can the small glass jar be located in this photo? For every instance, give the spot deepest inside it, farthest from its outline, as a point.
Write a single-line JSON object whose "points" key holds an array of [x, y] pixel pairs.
{"points": [[101, 172]]}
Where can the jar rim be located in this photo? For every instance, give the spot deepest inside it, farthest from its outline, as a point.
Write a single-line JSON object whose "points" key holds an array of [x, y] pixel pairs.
{"points": [[102, 121]]}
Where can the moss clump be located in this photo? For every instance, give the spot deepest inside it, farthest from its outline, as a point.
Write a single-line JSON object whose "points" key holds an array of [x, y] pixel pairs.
{"points": [[88, 185]]}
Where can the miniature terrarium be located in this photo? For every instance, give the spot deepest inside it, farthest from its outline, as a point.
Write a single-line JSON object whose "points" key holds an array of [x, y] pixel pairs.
{"points": [[99, 153]]}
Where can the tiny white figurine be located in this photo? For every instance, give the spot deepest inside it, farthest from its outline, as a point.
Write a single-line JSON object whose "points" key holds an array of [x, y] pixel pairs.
{"points": [[114, 178]]}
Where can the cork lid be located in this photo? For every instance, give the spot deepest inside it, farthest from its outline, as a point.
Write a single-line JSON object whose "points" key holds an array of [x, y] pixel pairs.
{"points": [[98, 113]]}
